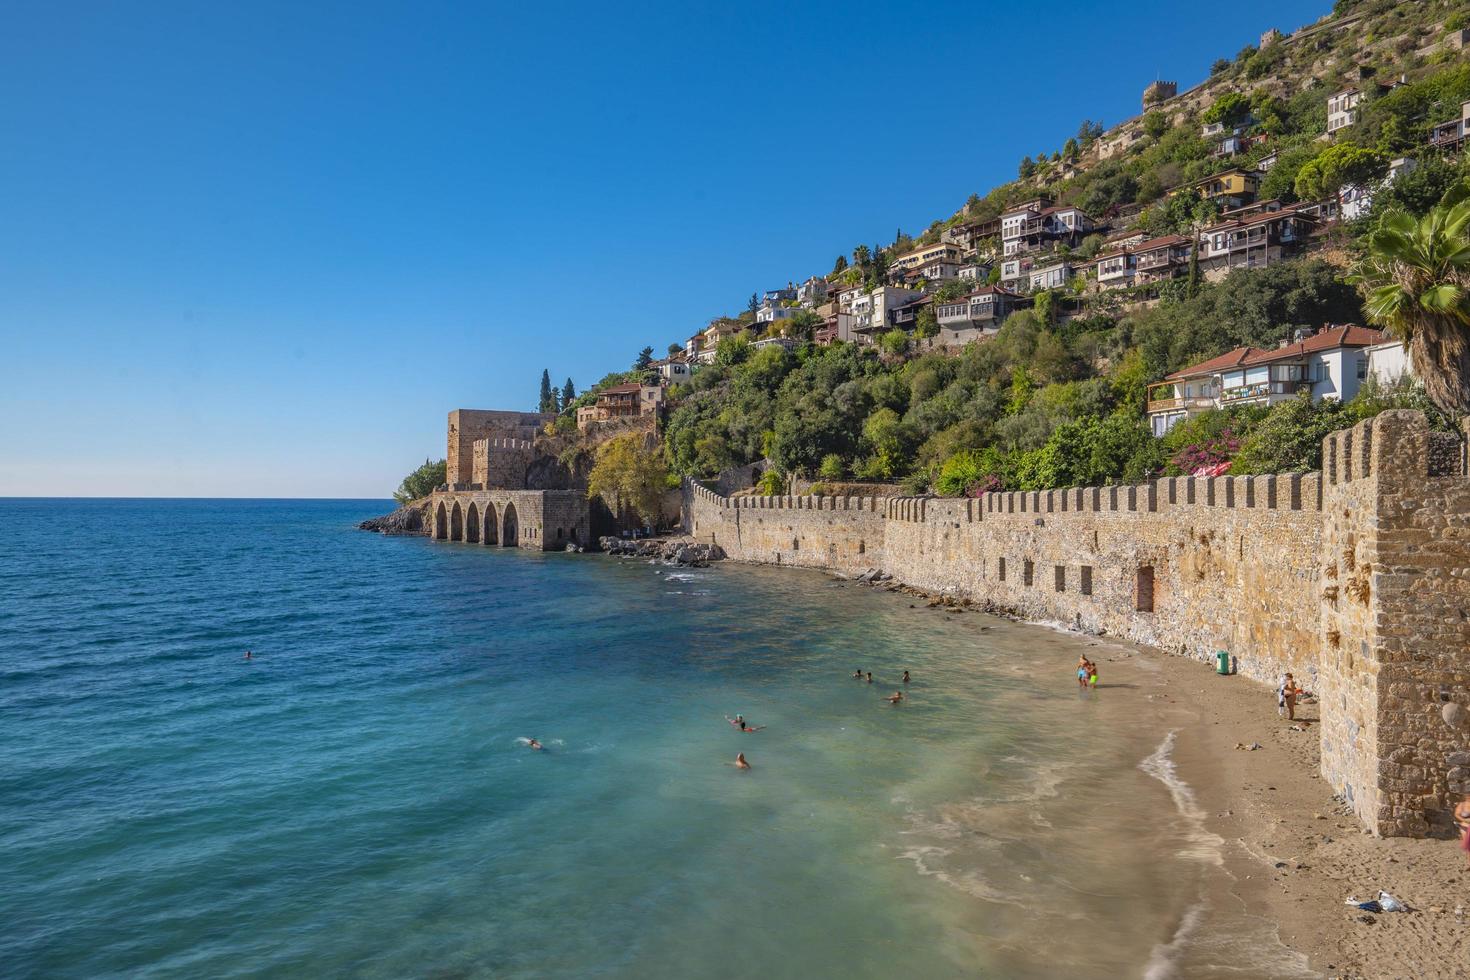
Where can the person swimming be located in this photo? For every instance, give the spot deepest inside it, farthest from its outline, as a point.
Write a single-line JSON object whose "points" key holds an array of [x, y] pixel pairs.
{"points": [[858, 674], [905, 677], [249, 655], [870, 677], [895, 697], [740, 762], [534, 744], [739, 722]]}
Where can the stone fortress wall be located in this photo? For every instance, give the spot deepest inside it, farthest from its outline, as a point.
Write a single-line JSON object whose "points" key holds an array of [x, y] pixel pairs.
{"points": [[468, 426], [1357, 580]]}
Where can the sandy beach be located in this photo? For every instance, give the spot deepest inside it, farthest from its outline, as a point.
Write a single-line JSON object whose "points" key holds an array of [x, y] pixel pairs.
{"points": [[1294, 853]]}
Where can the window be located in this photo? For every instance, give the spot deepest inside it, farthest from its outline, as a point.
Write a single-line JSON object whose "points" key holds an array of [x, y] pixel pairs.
{"points": [[1362, 368], [1143, 593], [1028, 570], [1085, 586], [1060, 574], [1001, 568]]}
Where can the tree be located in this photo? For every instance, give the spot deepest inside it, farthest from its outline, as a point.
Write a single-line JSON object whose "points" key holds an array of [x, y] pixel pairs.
{"points": [[1155, 123], [840, 265], [627, 475], [1230, 109], [926, 324], [673, 349], [752, 304], [1069, 148], [645, 358], [547, 402], [831, 468], [1334, 168], [1027, 168], [800, 325], [568, 395], [1089, 131], [861, 256], [1415, 277], [421, 482]]}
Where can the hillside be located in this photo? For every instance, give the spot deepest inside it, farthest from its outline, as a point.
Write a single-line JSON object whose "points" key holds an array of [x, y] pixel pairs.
{"points": [[1219, 219]]}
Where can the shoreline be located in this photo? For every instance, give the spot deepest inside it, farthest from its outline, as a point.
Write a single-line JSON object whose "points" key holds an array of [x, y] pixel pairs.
{"points": [[1291, 851]]}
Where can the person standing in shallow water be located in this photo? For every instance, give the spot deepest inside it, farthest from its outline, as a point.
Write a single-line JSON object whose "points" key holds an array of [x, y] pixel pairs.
{"points": [[740, 762], [870, 677], [905, 677]]}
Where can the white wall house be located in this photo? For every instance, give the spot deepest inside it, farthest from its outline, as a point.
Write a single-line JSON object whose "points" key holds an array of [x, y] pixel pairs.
{"points": [[1342, 110], [1388, 362], [1331, 363], [1355, 201]]}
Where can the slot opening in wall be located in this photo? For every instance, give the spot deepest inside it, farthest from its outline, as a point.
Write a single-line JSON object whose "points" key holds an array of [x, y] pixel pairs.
{"points": [[1084, 584], [1143, 592], [1028, 572], [1059, 573], [1000, 568]]}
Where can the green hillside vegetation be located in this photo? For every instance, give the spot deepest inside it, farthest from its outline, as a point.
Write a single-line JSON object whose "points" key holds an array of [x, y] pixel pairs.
{"points": [[1057, 400]]}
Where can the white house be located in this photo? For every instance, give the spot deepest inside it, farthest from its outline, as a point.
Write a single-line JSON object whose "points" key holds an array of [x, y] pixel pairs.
{"points": [[1342, 110], [1355, 200], [1331, 363], [1388, 362]]}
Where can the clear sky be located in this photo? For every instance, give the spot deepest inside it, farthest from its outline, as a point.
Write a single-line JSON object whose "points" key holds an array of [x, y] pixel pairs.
{"points": [[262, 249]]}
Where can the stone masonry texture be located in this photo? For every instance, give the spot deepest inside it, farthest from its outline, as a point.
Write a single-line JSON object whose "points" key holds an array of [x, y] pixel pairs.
{"points": [[1356, 579]]}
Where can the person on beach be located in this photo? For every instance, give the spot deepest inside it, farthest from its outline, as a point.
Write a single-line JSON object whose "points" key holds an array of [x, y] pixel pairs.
{"points": [[1286, 697], [905, 677], [1462, 821], [895, 697], [740, 762]]}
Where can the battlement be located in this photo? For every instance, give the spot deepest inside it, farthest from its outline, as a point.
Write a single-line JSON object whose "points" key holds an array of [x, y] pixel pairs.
{"points": [[468, 426], [1355, 578]]}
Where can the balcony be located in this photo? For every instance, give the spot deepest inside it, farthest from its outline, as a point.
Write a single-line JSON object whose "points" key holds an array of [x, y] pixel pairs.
{"points": [[1191, 403], [1156, 260]]}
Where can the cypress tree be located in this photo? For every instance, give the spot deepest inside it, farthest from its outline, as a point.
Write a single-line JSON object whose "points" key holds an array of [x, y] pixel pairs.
{"points": [[548, 397]]}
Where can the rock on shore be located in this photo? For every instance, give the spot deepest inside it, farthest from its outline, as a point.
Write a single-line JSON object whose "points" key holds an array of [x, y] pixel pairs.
{"points": [[408, 519], [673, 551]]}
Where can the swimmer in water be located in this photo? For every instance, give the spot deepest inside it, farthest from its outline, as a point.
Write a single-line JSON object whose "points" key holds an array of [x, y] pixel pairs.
{"points": [[858, 674], [249, 655], [870, 677], [739, 722], [740, 762], [895, 697], [905, 677], [534, 744]]}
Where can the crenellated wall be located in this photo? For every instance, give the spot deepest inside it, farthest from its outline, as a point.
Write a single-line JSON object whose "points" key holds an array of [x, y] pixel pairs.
{"points": [[1356, 580]]}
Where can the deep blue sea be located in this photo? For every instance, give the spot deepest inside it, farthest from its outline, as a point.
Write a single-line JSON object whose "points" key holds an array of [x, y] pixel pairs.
{"points": [[358, 799]]}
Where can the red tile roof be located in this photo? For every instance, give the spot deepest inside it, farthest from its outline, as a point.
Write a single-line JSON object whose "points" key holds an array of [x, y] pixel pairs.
{"points": [[1163, 241], [1328, 338], [622, 389], [1231, 359]]}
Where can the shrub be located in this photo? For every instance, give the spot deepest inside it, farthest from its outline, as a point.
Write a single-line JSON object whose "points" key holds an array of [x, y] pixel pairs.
{"points": [[771, 483], [831, 468]]}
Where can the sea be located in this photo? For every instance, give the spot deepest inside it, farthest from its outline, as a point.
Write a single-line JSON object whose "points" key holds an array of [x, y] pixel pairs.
{"points": [[359, 797]]}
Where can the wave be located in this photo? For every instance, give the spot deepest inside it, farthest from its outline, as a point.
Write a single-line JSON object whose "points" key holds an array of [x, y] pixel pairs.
{"points": [[1205, 846]]}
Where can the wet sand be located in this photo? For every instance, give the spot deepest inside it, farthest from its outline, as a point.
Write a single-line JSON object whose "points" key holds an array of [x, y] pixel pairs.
{"points": [[1293, 853]]}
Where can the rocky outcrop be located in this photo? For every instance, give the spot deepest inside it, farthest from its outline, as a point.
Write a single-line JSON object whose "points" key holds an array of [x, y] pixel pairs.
{"points": [[408, 519], [671, 551]]}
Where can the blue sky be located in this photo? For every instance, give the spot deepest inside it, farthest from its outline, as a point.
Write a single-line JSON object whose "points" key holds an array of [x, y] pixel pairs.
{"points": [[262, 249]]}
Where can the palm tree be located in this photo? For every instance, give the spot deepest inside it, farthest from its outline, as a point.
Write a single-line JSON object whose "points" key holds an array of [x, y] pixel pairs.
{"points": [[1416, 277]]}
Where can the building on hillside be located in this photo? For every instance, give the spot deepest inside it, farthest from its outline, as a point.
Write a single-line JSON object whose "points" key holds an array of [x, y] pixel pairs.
{"points": [[1114, 268], [870, 310], [812, 293], [630, 400], [1356, 200], [1342, 109], [925, 255], [1160, 258], [777, 304], [978, 273], [1450, 136], [1252, 242], [970, 235], [836, 324], [1052, 275], [1232, 188], [1388, 362], [1158, 92], [975, 316], [1330, 363], [702, 346], [1268, 161], [932, 272], [673, 369], [905, 316], [1037, 224]]}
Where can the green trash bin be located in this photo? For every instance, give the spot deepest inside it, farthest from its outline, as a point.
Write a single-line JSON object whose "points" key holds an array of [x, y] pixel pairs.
{"points": [[1222, 662]]}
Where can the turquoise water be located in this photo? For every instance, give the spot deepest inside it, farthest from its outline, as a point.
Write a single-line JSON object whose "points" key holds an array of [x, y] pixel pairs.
{"points": [[356, 800]]}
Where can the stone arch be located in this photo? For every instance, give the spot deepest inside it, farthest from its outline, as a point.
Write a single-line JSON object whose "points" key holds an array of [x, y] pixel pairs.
{"points": [[441, 523], [456, 523], [491, 523], [511, 535], [472, 524]]}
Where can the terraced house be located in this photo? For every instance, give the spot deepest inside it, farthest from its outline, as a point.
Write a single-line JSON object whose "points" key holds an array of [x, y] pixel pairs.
{"points": [[975, 316]]}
